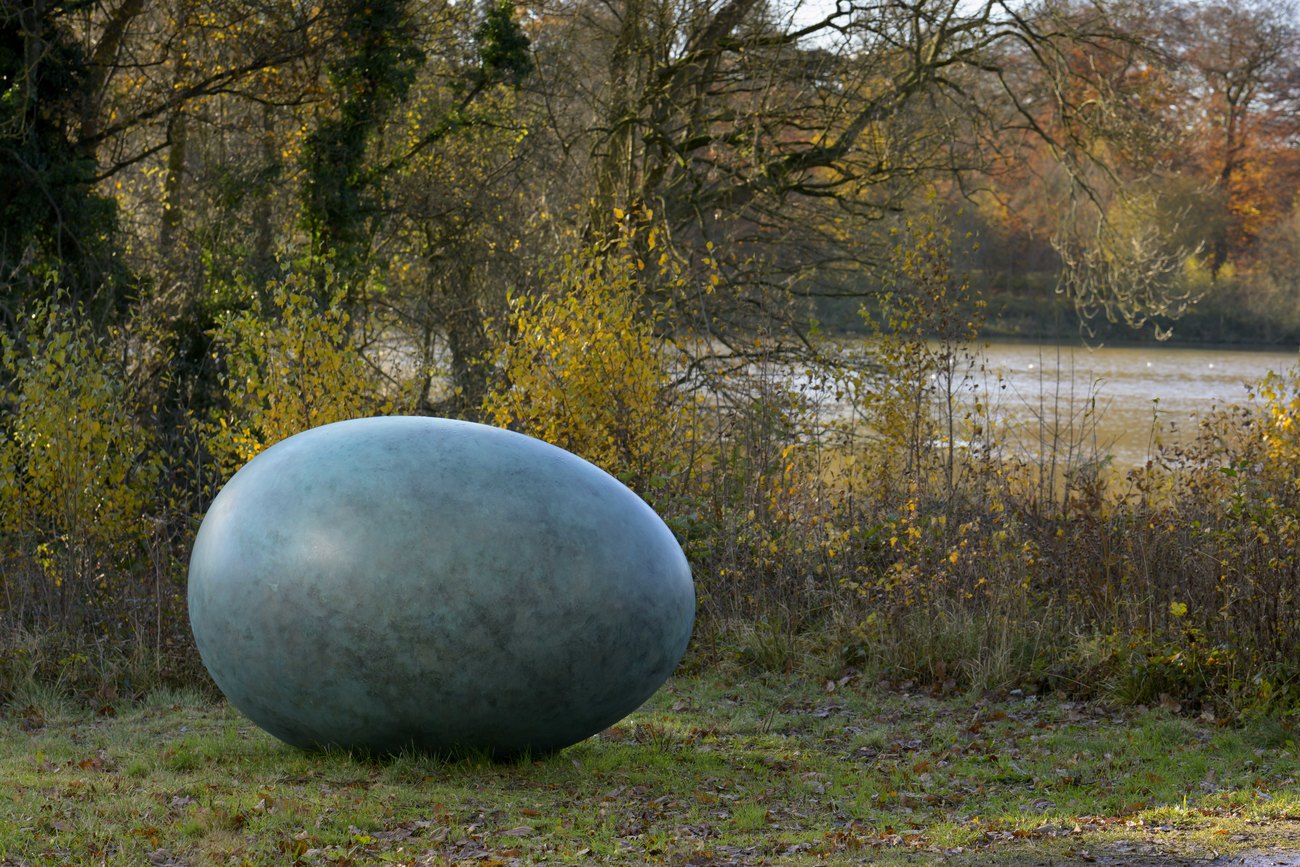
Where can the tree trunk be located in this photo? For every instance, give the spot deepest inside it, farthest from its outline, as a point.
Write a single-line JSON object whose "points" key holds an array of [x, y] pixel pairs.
{"points": [[173, 211], [101, 60], [263, 259]]}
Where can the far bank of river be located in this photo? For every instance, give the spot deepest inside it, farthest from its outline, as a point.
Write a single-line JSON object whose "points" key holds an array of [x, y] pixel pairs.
{"points": [[1116, 399]]}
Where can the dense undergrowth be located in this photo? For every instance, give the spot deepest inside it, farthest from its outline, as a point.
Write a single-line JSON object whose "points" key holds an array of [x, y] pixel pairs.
{"points": [[864, 516]]}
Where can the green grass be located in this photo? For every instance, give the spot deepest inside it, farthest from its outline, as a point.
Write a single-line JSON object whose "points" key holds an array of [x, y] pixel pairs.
{"points": [[713, 770]]}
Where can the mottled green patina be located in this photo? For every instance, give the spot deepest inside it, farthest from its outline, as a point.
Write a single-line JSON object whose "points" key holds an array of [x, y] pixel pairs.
{"points": [[392, 582]]}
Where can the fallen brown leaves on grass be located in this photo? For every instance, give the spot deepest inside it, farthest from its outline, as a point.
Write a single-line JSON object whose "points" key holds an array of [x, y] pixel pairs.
{"points": [[710, 772]]}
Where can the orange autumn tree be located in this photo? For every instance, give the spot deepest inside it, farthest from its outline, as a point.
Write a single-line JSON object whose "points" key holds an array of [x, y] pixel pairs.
{"points": [[1238, 70]]}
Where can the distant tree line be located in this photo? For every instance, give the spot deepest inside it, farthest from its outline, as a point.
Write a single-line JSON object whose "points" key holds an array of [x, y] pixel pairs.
{"points": [[156, 153]]}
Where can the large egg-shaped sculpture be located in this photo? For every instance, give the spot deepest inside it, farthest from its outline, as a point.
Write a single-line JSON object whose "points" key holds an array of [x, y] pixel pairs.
{"points": [[387, 583]]}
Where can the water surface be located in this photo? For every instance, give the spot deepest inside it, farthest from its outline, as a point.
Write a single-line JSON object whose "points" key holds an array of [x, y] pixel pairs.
{"points": [[1118, 399]]}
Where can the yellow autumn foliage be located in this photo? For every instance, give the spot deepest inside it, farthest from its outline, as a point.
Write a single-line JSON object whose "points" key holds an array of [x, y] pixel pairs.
{"points": [[1281, 423], [290, 365], [78, 472], [582, 366]]}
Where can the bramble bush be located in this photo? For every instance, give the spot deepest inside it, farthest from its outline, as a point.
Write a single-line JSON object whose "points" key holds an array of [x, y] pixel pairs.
{"points": [[96, 518], [1175, 582]]}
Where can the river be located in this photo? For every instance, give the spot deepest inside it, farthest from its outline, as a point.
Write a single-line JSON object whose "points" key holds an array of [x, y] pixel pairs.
{"points": [[1134, 390]]}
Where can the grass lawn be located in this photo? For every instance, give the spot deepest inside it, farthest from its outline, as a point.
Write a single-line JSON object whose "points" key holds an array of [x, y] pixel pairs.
{"points": [[716, 769]]}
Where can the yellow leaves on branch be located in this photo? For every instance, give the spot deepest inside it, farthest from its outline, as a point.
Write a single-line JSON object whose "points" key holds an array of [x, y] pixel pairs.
{"points": [[76, 466], [583, 367], [1281, 430], [290, 366]]}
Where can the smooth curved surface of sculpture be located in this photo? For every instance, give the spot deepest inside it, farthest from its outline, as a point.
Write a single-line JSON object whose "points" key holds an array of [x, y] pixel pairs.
{"points": [[387, 583]]}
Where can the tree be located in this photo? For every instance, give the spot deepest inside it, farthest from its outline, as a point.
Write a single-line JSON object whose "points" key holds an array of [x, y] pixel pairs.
{"points": [[54, 225], [117, 84], [455, 170], [374, 65], [784, 141], [1242, 98]]}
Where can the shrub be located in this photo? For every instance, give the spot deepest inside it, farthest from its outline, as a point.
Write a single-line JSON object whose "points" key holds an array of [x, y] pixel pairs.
{"points": [[290, 364], [585, 366], [79, 474]]}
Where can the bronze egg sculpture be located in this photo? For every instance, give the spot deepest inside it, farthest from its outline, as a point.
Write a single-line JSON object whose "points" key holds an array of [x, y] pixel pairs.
{"points": [[407, 582]]}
